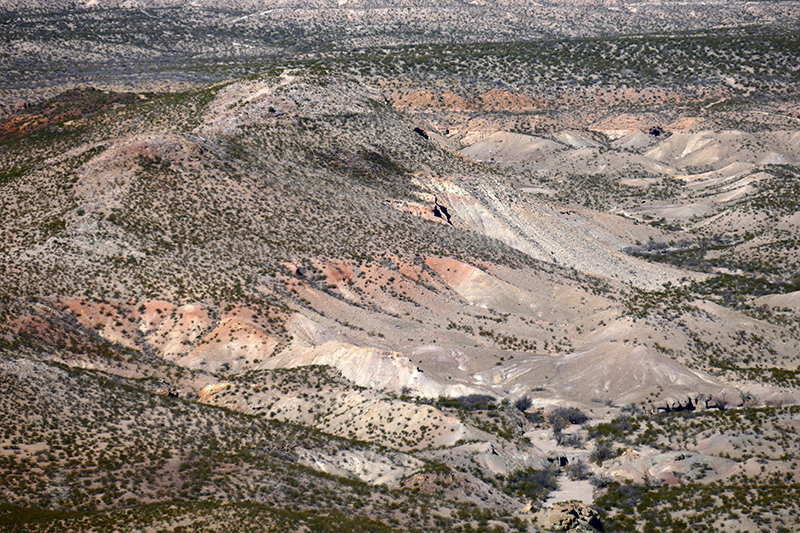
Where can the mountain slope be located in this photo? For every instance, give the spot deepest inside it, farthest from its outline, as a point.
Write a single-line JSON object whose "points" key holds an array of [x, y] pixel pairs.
{"points": [[303, 289]]}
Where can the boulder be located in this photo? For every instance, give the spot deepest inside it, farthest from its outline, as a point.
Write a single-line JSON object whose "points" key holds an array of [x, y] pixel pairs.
{"points": [[570, 516]]}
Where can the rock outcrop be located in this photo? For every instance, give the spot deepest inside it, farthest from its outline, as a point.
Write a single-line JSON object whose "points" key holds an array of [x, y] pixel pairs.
{"points": [[570, 516], [694, 401]]}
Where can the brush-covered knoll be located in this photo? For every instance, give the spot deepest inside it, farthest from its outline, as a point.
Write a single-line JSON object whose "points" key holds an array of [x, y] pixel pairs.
{"points": [[81, 446], [184, 212], [723, 464], [314, 396], [116, 443], [249, 176]]}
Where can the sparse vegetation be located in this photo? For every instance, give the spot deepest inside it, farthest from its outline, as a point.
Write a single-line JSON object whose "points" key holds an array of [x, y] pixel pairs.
{"points": [[304, 185]]}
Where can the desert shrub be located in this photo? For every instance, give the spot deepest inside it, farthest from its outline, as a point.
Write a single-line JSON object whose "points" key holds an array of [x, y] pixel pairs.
{"points": [[570, 414], [558, 424], [534, 417], [616, 430], [603, 450], [600, 481], [436, 467], [578, 470], [561, 418], [627, 495], [531, 482], [473, 402], [523, 403], [570, 441], [721, 402]]}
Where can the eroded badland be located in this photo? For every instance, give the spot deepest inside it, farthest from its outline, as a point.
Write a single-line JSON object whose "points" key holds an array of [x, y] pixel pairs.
{"points": [[399, 266]]}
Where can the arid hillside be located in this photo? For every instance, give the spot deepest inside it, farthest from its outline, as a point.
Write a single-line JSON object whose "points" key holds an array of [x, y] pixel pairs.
{"points": [[167, 45], [490, 277]]}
